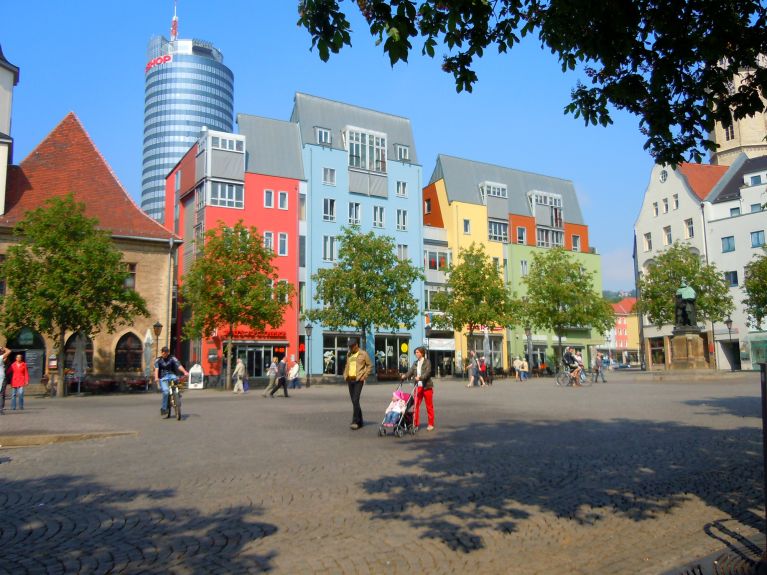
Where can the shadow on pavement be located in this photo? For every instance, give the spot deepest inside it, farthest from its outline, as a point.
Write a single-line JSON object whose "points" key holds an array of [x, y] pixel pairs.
{"points": [[466, 482], [69, 524], [743, 406]]}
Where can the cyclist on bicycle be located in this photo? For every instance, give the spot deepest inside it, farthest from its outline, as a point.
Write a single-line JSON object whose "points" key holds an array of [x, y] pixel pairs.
{"points": [[573, 365], [166, 368]]}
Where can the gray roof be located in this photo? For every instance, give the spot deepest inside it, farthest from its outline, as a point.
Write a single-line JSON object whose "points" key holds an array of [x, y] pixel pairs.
{"points": [[273, 147], [463, 177], [312, 112], [728, 187]]}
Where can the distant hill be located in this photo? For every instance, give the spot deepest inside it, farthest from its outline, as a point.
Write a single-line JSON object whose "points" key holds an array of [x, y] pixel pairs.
{"points": [[616, 296]]}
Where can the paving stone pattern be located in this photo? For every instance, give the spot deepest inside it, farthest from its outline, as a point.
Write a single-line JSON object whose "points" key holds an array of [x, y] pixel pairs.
{"points": [[623, 477]]}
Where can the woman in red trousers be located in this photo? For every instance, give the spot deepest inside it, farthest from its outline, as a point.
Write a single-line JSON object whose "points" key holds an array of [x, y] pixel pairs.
{"points": [[421, 371]]}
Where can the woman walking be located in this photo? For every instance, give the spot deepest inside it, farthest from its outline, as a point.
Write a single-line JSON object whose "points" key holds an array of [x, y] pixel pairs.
{"points": [[19, 379], [238, 376], [424, 391]]}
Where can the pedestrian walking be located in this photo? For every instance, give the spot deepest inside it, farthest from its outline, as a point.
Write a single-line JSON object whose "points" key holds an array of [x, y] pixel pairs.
{"points": [[5, 353], [282, 378], [517, 365], [473, 369], [358, 367], [599, 368], [271, 373], [238, 376], [424, 391], [19, 380], [293, 371], [524, 370], [482, 372]]}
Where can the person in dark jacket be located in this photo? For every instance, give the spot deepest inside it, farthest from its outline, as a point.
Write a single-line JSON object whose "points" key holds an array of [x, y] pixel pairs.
{"points": [[424, 391], [282, 378]]}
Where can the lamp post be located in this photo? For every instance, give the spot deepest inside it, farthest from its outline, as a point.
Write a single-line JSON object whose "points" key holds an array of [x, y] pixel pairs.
{"points": [[308, 330], [529, 334], [728, 323], [157, 328]]}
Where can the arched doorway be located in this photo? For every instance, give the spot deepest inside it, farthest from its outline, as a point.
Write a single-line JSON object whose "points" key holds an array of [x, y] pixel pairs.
{"points": [[32, 346]]}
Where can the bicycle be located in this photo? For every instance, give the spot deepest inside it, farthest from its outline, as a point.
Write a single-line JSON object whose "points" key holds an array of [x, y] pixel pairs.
{"points": [[174, 395], [564, 378]]}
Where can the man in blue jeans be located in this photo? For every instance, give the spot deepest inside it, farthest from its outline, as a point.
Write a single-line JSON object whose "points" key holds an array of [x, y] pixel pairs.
{"points": [[166, 367]]}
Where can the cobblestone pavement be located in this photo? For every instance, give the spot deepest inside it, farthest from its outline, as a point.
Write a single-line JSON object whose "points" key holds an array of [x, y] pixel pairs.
{"points": [[622, 477]]}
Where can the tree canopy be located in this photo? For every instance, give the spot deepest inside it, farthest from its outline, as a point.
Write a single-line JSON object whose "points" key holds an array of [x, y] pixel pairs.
{"points": [[561, 295], [755, 285], [369, 286], [671, 64], [233, 281], [65, 276], [476, 294], [658, 285]]}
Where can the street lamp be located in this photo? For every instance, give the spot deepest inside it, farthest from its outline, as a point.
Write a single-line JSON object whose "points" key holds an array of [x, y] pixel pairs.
{"points": [[728, 323], [529, 334], [157, 328], [308, 330]]}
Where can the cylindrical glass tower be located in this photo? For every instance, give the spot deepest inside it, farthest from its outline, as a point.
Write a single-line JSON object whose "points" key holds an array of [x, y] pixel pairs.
{"points": [[187, 87]]}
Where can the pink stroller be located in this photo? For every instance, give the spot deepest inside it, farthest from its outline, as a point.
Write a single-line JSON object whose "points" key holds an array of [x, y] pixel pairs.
{"points": [[399, 423]]}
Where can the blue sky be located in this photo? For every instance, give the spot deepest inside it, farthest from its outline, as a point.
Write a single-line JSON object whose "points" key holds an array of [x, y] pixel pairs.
{"points": [[88, 57]]}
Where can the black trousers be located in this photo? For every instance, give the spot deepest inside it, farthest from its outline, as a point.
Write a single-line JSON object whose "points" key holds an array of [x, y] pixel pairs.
{"points": [[355, 391], [281, 381], [3, 387]]}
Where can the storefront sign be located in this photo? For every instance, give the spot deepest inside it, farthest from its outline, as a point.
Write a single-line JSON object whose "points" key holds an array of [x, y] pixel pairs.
{"points": [[245, 333], [157, 61]]}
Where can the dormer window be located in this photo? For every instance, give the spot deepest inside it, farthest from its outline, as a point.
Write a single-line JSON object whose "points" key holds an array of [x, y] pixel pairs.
{"points": [[403, 152], [367, 150], [323, 136], [493, 189]]}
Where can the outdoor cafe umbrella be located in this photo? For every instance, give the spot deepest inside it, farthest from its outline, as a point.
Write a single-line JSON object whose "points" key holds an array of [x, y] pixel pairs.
{"points": [[148, 341], [486, 347], [80, 360]]}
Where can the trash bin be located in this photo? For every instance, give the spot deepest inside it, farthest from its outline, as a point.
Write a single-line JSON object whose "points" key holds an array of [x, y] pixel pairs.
{"points": [[196, 377]]}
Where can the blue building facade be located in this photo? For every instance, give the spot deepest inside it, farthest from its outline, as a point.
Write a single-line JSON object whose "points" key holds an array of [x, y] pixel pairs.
{"points": [[187, 86], [361, 169]]}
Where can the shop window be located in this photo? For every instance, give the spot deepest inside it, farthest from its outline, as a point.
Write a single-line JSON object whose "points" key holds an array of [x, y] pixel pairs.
{"points": [[128, 353]]}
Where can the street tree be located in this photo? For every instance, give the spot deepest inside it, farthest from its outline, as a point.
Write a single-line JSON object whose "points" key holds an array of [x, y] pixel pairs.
{"points": [[476, 295], [65, 275], [755, 285], [368, 287], [232, 282], [561, 294], [672, 64], [679, 264]]}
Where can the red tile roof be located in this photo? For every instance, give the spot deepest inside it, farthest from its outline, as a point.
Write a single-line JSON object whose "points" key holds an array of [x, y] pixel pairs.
{"points": [[625, 306], [701, 177], [68, 161]]}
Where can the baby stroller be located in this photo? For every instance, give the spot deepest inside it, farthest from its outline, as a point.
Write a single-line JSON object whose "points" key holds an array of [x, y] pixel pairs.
{"points": [[404, 422]]}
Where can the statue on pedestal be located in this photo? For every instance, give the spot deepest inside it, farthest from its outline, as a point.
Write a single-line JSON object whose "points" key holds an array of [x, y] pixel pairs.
{"points": [[685, 311]]}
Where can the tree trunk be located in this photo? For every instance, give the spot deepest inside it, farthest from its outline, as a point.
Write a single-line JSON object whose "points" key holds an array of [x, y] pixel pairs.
{"points": [[228, 384], [60, 384]]}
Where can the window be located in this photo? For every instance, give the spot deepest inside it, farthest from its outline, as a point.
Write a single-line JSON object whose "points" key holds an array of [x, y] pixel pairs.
{"points": [[729, 132], [548, 199], [731, 278], [301, 296], [497, 264], [757, 239], [329, 176], [675, 201], [667, 241], [493, 189], [728, 244], [268, 198], [227, 144], [498, 231], [402, 251], [302, 207], [128, 353], [689, 229], [130, 280], [402, 220], [466, 226], [756, 180], [302, 251], [403, 152], [329, 210], [647, 242], [282, 200], [226, 195], [323, 136], [655, 208], [284, 290], [269, 240], [665, 205], [427, 206], [282, 244], [734, 212], [328, 248], [437, 260], [521, 235], [354, 213], [378, 216], [547, 238], [402, 189], [367, 151], [523, 267], [177, 181], [576, 243], [756, 208]]}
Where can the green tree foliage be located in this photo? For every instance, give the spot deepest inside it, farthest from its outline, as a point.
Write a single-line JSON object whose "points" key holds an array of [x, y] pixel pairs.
{"points": [[755, 285], [658, 285], [476, 294], [670, 63], [369, 286], [561, 294], [233, 282], [65, 276]]}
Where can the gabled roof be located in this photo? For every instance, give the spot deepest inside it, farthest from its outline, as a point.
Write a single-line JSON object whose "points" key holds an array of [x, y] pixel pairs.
{"points": [[273, 147], [701, 178], [67, 161], [729, 188], [463, 177], [625, 306], [312, 112]]}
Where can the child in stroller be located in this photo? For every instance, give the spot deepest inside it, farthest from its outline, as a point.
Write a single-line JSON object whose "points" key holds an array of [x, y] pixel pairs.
{"points": [[399, 415]]}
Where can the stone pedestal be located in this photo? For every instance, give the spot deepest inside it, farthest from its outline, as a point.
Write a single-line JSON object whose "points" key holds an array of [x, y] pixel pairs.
{"points": [[687, 350]]}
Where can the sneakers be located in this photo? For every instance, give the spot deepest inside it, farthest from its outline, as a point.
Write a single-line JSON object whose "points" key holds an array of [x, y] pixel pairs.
{"points": [[163, 412], [430, 428], [354, 426]]}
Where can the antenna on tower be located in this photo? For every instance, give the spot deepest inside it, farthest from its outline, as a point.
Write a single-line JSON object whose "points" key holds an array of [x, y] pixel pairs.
{"points": [[174, 24]]}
